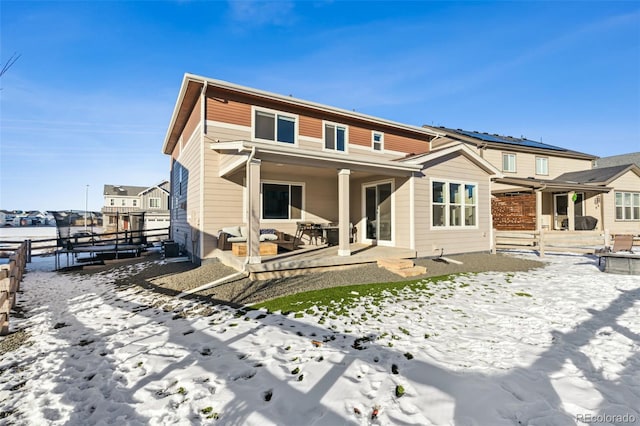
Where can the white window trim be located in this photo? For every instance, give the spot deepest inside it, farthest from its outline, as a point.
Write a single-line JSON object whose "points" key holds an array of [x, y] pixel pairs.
{"points": [[284, 182], [515, 162], [615, 206], [346, 137], [446, 203], [373, 132], [536, 165], [159, 202], [296, 132]]}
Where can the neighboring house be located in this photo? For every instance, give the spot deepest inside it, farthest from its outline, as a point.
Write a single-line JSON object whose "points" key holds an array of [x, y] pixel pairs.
{"points": [[618, 160], [132, 207], [242, 156], [6, 218], [548, 187]]}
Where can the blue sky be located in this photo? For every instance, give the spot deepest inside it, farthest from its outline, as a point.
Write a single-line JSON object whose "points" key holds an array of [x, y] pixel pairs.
{"points": [[90, 98]]}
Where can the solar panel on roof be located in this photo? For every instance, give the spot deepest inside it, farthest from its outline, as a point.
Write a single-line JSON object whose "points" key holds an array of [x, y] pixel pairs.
{"points": [[511, 141]]}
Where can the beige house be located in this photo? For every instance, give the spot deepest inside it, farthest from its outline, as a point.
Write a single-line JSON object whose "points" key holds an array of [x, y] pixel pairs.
{"points": [[129, 207], [549, 187], [246, 157]]}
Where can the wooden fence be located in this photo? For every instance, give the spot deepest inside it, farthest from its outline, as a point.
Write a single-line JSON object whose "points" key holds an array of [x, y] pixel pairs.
{"points": [[10, 277], [558, 241]]}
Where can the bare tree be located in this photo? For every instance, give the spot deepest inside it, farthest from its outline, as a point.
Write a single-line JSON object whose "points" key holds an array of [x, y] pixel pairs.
{"points": [[12, 60]]}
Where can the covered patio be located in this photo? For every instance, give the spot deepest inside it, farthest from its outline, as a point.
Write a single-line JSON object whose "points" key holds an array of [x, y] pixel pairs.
{"points": [[550, 205], [283, 186]]}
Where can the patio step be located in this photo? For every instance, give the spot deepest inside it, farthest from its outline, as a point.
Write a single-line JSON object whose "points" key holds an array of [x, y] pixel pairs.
{"points": [[391, 263], [410, 272], [403, 267]]}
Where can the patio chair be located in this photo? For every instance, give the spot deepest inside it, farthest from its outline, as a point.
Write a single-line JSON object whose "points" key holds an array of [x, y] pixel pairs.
{"points": [[621, 242]]}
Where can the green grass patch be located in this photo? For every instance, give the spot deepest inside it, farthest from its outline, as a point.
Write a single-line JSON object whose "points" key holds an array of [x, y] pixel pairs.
{"points": [[335, 298]]}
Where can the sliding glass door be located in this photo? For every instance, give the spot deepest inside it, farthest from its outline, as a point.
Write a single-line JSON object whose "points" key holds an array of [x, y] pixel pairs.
{"points": [[378, 213]]}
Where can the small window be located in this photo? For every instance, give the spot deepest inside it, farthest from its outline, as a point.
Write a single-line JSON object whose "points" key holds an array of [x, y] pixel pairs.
{"points": [[281, 201], [509, 163], [542, 166], [112, 202], [377, 141], [154, 203], [124, 202], [276, 127], [135, 203], [335, 137]]}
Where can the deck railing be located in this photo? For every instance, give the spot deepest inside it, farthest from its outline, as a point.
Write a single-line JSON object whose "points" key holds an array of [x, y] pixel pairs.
{"points": [[558, 241], [10, 277]]}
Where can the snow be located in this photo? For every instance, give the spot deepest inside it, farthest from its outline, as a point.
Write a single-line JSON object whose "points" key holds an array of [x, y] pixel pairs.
{"points": [[554, 346]]}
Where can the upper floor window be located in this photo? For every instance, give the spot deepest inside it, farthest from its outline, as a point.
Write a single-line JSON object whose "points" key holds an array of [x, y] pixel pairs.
{"points": [[112, 202], [154, 203], [627, 205], [508, 162], [377, 141], [135, 203], [454, 204], [335, 137], [275, 126], [123, 202], [542, 166]]}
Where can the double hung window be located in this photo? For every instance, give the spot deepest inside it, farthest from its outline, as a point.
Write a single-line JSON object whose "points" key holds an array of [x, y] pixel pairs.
{"points": [[335, 137], [509, 163]]}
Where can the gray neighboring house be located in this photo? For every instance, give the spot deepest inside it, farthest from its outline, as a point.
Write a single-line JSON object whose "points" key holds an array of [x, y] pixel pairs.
{"points": [[617, 160], [122, 203]]}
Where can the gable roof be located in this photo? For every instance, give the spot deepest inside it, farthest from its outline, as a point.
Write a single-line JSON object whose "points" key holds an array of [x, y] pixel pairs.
{"points": [[602, 175], [161, 186], [460, 149], [193, 86], [618, 160], [123, 190], [508, 142]]}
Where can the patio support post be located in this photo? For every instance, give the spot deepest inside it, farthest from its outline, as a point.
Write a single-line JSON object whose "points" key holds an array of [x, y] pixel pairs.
{"points": [[253, 216], [343, 213], [538, 210], [571, 211]]}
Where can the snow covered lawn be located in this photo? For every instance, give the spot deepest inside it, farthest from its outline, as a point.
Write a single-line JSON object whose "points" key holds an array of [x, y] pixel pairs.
{"points": [[554, 346]]}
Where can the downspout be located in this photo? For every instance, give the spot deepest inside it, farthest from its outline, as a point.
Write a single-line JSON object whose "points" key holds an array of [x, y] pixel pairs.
{"points": [[249, 204], [203, 132]]}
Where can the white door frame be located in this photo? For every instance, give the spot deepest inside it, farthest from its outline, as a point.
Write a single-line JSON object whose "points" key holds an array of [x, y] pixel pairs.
{"points": [[363, 238]]}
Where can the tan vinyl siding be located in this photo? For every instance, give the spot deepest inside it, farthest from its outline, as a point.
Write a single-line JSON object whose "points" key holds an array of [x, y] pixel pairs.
{"points": [[185, 213], [222, 201], [217, 132], [320, 199], [429, 240], [526, 163], [402, 212], [629, 182]]}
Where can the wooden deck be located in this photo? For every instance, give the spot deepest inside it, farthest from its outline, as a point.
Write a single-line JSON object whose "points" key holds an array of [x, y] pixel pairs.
{"points": [[314, 259]]}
